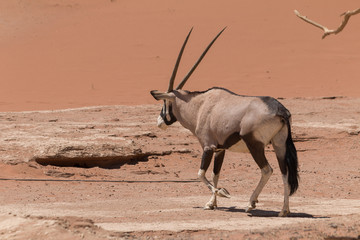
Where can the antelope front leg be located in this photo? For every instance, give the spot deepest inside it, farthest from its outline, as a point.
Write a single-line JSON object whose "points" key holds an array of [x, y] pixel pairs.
{"points": [[205, 162], [219, 158], [212, 203], [206, 159]]}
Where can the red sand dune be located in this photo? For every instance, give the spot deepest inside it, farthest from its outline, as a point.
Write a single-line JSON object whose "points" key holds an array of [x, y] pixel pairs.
{"points": [[72, 53]]}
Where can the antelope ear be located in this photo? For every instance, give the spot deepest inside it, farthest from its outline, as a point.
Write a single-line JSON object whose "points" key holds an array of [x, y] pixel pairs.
{"points": [[162, 96]]}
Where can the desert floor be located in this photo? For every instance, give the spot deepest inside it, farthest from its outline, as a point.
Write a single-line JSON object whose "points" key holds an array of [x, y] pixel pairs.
{"points": [[81, 156], [109, 172]]}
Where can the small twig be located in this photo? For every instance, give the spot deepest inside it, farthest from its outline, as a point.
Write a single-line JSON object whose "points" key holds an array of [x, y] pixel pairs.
{"points": [[327, 31]]}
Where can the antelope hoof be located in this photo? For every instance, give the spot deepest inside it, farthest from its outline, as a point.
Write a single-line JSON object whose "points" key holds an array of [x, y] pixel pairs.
{"points": [[222, 192], [210, 206], [284, 213], [251, 206], [248, 209]]}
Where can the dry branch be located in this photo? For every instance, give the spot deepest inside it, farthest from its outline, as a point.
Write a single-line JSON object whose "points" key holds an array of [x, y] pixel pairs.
{"points": [[327, 31]]}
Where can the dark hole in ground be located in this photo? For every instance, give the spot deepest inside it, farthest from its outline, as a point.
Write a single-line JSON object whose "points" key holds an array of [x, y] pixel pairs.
{"points": [[112, 162]]}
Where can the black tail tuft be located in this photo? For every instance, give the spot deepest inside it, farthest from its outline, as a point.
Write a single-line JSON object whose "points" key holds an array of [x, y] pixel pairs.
{"points": [[291, 162]]}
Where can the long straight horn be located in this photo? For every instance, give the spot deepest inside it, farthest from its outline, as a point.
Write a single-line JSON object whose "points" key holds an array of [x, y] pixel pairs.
{"points": [[198, 61], [172, 79]]}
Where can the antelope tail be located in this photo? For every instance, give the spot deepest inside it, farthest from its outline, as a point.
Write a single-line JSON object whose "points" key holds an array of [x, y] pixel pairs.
{"points": [[291, 162]]}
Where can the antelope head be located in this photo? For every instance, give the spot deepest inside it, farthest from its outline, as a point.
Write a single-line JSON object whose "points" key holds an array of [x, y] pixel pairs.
{"points": [[166, 116]]}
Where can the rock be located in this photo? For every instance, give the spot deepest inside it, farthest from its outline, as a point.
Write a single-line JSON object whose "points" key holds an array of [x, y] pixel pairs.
{"points": [[85, 137]]}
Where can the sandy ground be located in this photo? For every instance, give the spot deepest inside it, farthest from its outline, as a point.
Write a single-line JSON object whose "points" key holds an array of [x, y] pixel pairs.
{"points": [[148, 188], [81, 157]]}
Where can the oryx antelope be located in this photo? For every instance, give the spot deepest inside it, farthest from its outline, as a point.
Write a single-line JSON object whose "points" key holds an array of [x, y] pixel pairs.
{"points": [[221, 120]]}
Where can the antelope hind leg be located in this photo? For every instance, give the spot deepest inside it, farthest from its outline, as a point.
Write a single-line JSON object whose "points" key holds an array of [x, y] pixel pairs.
{"points": [[286, 209], [265, 175]]}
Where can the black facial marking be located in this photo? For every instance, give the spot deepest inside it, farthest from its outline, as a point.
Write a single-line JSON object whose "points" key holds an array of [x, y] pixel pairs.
{"points": [[163, 115]]}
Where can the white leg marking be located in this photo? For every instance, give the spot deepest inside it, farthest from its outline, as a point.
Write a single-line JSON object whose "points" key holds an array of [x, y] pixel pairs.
{"points": [[285, 210], [201, 175], [222, 192], [203, 178], [212, 204], [265, 175]]}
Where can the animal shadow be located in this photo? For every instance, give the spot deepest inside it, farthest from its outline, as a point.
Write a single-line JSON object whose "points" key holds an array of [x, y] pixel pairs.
{"points": [[268, 213]]}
